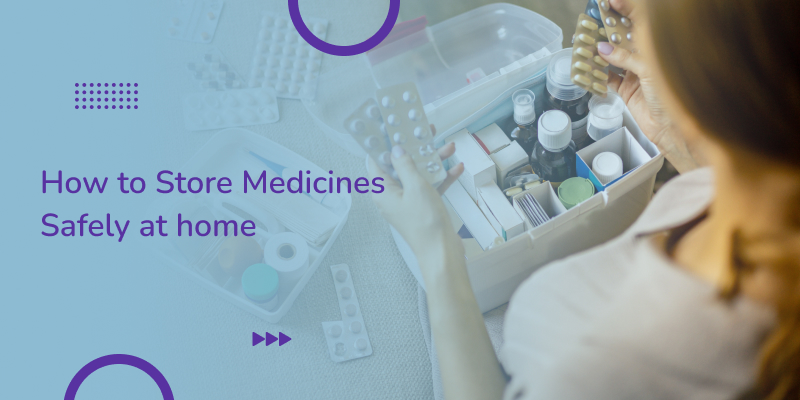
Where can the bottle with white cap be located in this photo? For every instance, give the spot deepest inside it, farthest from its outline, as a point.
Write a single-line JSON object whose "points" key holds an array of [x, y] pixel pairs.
{"points": [[525, 118], [565, 96], [553, 156], [607, 166]]}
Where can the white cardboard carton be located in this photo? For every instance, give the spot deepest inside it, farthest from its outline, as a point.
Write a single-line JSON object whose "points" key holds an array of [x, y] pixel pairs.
{"points": [[471, 215], [493, 138], [623, 144], [510, 157], [479, 169], [499, 212], [471, 246]]}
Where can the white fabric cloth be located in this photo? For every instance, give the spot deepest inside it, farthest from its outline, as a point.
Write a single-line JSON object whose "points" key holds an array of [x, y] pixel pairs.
{"points": [[621, 321]]}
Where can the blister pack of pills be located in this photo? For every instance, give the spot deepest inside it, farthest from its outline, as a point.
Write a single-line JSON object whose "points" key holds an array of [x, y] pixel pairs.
{"points": [[407, 126], [213, 72], [367, 128], [589, 70], [283, 60], [618, 28], [347, 339], [195, 21], [243, 107]]}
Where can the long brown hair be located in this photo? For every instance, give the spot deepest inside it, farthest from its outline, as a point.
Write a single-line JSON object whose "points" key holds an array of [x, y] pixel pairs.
{"points": [[735, 66]]}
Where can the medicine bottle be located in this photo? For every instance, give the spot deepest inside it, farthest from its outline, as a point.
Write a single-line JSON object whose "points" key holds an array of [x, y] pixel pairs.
{"points": [[605, 115], [553, 156], [563, 95], [525, 118]]}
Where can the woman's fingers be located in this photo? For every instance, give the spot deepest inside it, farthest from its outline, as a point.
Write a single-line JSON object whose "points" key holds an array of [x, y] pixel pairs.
{"points": [[375, 171], [405, 168], [622, 58], [447, 150], [392, 194], [452, 176], [614, 82], [624, 7]]}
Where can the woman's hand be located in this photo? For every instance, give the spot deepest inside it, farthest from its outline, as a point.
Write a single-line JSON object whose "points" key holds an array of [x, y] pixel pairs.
{"points": [[469, 367], [638, 92], [413, 206]]}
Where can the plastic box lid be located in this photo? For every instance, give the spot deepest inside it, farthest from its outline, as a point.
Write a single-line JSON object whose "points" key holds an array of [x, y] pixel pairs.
{"points": [[468, 50]]}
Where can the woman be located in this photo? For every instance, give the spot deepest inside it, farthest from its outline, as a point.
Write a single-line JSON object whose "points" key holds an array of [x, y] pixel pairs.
{"points": [[700, 298]]}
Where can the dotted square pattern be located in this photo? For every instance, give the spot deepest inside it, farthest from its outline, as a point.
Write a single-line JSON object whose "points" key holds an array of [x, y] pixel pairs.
{"points": [[106, 96]]}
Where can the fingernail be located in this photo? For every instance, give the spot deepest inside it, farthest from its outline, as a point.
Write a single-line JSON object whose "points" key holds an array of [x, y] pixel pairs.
{"points": [[398, 152], [605, 48]]}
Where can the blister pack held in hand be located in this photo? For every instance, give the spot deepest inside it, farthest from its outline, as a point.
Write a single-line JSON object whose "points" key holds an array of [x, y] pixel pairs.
{"points": [[407, 127], [367, 128], [618, 27], [589, 70]]}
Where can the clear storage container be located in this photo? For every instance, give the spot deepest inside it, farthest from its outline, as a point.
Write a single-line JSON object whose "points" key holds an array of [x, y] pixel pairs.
{"points": [[476, 55], [228, 153], [466, 69]]}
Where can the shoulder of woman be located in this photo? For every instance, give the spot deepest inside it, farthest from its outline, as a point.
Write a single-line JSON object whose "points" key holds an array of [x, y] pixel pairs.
{"points": [[680, 200]]}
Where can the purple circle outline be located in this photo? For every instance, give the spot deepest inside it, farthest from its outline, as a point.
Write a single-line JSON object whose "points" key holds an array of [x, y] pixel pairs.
{"points": [[332, 49], [121, 359]]}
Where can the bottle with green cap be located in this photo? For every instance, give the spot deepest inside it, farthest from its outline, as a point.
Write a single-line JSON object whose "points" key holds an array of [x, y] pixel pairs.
{"points": [[260, 284], [566, 96], [553, 156], [575, 190]]}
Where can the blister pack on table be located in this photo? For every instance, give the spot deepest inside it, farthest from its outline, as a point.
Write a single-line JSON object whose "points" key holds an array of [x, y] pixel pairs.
{"points": [[407, 126], [347, 339], [225, 109], [214, 72], [195, 21], [283, 60]]}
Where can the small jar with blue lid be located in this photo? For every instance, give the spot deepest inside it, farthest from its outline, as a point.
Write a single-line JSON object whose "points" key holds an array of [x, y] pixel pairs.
{"points": [[260, 284]]}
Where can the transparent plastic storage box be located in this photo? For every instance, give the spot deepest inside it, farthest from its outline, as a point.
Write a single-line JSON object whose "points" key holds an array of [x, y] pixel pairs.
{"points": [[228, 153], [512, 47], [495, 39]]}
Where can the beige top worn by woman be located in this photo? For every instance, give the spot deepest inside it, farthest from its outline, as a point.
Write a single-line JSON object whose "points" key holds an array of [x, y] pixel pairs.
{"points": [[623, 313]]}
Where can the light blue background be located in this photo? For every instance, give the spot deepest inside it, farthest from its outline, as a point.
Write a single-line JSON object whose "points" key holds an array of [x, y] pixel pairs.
{"points": [[67, 301]]}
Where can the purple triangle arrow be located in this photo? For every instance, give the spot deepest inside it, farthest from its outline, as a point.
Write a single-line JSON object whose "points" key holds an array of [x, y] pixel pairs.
{"points": [[283, 339], [257, 339], [269, 339]]}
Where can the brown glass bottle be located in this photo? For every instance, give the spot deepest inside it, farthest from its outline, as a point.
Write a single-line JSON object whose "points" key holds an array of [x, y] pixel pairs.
{"points": [[565, 96], [525, 118]]}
